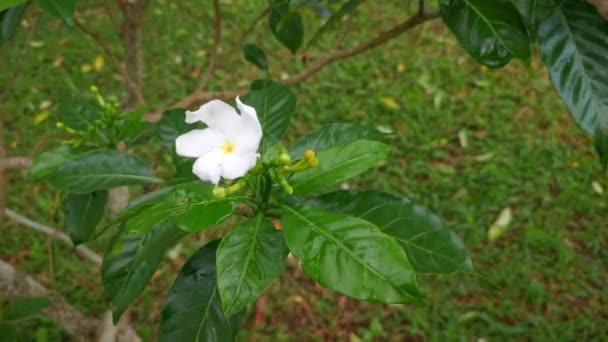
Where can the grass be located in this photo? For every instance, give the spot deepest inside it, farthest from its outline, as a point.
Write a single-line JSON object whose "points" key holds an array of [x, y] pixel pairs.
{"points": [[546, 274]]}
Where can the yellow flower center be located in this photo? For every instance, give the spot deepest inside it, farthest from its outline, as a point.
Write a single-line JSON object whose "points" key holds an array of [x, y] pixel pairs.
{"points": [[228, 147]]}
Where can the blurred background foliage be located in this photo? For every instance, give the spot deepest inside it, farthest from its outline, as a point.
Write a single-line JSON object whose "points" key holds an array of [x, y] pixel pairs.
{"points": [[493, 152]]}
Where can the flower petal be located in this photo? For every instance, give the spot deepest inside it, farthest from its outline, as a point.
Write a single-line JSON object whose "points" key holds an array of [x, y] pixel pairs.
{"points": [[248, 134], [236, 165], [216, 115], [209, 167], [198, 142]]}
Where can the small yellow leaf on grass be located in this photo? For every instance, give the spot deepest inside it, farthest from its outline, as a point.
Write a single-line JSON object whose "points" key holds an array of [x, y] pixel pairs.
{"points": [[85, 68], [597, 187], [98, 63], [500, 226], [389, 102], [40, 117], [45, 104], [400, 67]]}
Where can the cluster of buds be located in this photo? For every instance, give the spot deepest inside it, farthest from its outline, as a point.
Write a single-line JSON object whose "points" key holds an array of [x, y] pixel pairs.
{"points": [[98, 131], [279, 169]]}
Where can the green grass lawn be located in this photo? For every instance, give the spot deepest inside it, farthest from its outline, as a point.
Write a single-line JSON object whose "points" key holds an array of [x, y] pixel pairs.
{"points": [[467, 142]]}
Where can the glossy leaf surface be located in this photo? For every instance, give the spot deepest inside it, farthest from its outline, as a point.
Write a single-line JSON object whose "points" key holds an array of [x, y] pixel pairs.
{"points": [[131, 260], [82, 214], [100, 170], [193, 309], [350, 255], [428, 242], [339, 164], [573, 41], [490, 31], [249, 258], [256, 56], [286, 26], [190, 206], [334, 135], [274, 104]]}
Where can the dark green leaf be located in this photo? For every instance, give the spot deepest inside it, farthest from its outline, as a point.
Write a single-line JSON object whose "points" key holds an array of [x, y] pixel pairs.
{"points": [[274, 103], [428, 242], [249, 258], [78, 113], [573, 41], [190, 206], [11, 19], [334, 135], [63, 9], [335, 19], [601, 146], [25, 307], [131, 260], [82, 214], [490, 31], [286, 26], [339, 164], [171, 125], [193, 310], [130, 124], [101, 170], [45, 164], [255, 56], [4, 4], [350, 255]]}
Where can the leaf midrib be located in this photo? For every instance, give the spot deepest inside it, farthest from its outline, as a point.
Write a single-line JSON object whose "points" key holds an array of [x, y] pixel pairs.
{"points": [[240, 282], [353, 255], [350, 161], [488, 22]]}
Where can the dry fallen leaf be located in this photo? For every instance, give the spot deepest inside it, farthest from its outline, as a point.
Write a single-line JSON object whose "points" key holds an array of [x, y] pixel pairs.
{"points": [[500, 225]]}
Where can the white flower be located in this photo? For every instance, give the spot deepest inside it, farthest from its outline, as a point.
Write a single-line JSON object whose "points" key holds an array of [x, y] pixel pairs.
{"points": [[228, 147]]}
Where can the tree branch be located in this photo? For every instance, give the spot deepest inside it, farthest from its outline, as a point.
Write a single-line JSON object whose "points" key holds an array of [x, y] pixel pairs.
{"points": [[15, 162], [373, 43], [200, 95], [14, 284], [217, 38], [56, 234]]}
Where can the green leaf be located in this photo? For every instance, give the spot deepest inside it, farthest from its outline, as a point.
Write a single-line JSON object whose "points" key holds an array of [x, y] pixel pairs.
{"points": [[286, 26], [428, 242], [573, 46], [45, 164], [11, 19], [193, 310], [350, 255], [334, 135], [131, 260], [4, 4], [190, 206], [601, 146], [82, 214], [101, 170], [249, 258], [171, 125], [274, 103], [25, 307], [339, 164], [335, 19], [130, 124], [62, 9], [527, 10], [78, 113], [490, 31], [255, 56]]}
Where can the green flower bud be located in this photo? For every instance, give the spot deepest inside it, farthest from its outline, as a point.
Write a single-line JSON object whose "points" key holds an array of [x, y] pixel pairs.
{"points": [[284, 159], [219, 192]]}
